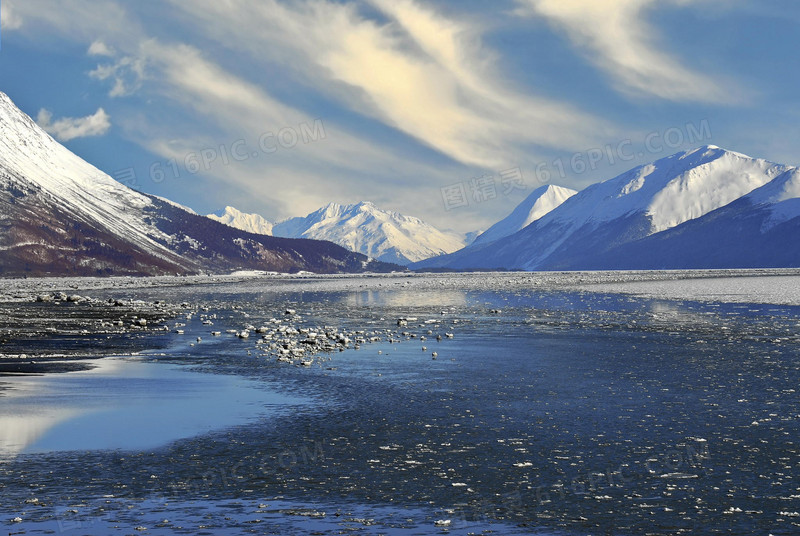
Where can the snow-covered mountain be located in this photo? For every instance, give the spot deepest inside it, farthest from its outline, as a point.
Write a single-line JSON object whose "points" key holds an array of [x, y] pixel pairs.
{"points": [[758, 230], [540, 202], [61, 215], [252, 223], [684, 199], [379, 234]]}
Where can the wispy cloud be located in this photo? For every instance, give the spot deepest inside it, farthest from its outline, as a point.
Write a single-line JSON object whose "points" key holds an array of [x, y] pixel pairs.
{"points": [[420, 72], [74, 20], [127, 72], [69, 128], [616, 36], [9, 18], [225, 108]]}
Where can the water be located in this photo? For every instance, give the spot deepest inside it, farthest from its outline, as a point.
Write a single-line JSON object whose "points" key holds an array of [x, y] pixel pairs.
{"points": [[567, 412], [126, 404]]}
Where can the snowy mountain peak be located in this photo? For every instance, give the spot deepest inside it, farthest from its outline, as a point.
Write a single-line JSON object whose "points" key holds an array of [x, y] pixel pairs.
{"points": [[252, 223], [60, 215], [31, 158], [663, 214], [365, 228], [671, 190], [539, 203]]}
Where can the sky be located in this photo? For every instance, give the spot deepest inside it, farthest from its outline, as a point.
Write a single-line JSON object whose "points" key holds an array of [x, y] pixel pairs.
{"points": [[448, 110]]}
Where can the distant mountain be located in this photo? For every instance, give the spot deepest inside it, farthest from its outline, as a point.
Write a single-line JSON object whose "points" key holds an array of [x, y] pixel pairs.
{"points": [[758, 230], [702, 208], [60, 215], [540, 202], [252, 223], [379, 234]]}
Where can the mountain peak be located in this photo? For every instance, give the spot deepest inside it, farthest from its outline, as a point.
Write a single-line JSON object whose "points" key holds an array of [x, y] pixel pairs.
{"points": [[539, 202], [252, 223], [63, 216], [708, 152], [591, 229], [381, 234]]}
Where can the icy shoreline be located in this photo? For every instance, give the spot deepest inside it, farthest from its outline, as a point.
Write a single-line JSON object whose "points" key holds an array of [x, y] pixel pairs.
{"points": [[16, 289]]}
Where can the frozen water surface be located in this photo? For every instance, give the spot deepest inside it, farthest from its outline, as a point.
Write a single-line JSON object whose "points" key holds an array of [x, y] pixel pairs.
{"points": [[555, 404], [782, 290]]}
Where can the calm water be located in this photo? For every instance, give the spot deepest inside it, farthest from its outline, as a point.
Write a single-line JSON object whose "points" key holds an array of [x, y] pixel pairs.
{"points": [[565, 413]]}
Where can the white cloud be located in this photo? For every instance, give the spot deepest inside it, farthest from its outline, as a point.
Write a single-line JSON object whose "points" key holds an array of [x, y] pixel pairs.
{"points": [[615, 35], [293, 181], [9, 18], [99, 48], [75, 20], [421, 73], [69, 128], [126, 72]]}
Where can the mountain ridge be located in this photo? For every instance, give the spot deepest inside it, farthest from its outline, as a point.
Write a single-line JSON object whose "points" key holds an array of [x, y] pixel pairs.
{"points": [[59, 215], [594, 228], [539, 203], [385, 235]]}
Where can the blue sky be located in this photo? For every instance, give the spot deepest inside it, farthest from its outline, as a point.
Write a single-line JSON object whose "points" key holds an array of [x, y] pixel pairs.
{"points": [[426, 108]]}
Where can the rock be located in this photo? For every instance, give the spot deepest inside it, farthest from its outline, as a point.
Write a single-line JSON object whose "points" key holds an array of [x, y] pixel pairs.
{"points": [[44, 298]]}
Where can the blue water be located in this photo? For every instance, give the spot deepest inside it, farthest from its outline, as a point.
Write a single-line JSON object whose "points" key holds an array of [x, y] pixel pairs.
{"points": [[564, 413], [128, 404]]}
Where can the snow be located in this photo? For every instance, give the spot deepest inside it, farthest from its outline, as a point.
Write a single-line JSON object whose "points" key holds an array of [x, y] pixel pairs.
{"points": [[732, 287], [252, 223], [174, 204], [539, 203], [648, 200], [672, 190], [781, 197], [380, 234], [34, 159]]}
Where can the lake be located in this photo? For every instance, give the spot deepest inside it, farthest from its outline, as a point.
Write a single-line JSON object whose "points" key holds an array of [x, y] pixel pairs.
{"points": [[554, 404]]}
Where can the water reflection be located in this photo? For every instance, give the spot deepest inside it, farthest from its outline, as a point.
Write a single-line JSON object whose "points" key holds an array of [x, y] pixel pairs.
{"points": [[126, 404], [405, 298]]}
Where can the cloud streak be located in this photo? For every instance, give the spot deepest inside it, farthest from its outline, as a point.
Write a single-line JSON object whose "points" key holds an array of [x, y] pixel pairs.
{"points": [[69, 128], [298, 178], [419, 72], [9, 19], [615, 36]]}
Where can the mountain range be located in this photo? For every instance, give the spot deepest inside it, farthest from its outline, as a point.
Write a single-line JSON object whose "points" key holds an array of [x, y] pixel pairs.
{"points": [[380, 234], [702, 208], [59, 215]]}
